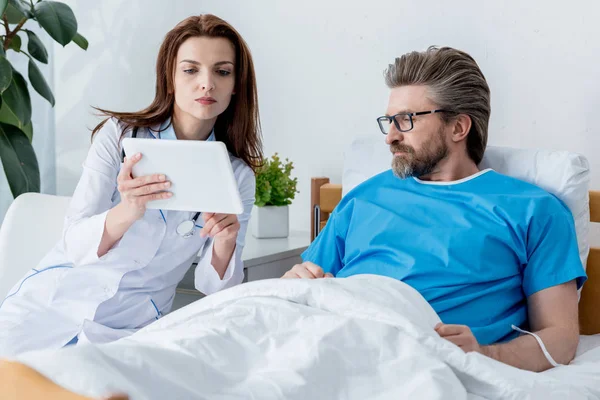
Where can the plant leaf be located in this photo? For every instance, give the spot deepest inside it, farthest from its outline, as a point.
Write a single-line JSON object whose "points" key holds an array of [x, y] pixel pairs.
{"points": [[8, 117], [19, 161], [13, 15], [39, 82], [22, 7], [15, 43], [80, 41], [5, 74], [16, 97], [36, 48], [57, 19], [3, 4], [2, 52], [274, 185], [28, 131]]}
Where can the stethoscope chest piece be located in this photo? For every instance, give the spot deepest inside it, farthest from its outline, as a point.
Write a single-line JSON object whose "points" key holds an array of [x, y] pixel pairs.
{"points": [[186, 229]]}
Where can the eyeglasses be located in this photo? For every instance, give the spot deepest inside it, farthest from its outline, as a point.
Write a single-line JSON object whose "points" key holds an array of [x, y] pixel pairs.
{"points": [[402, 121]]}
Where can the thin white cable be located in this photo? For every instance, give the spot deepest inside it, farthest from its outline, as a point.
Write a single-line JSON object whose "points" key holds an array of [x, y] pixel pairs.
{"points": [[539, 340]]}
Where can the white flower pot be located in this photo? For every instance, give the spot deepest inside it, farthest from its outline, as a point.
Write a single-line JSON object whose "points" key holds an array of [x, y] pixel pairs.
{"points": [[270, 222]]}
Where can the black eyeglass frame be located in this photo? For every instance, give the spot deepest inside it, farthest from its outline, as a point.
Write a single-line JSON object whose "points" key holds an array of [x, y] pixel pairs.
{"points": [[410, 115]]}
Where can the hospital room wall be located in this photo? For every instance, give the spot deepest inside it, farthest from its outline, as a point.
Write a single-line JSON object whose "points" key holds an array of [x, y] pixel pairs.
{"points": [[319, 67]]}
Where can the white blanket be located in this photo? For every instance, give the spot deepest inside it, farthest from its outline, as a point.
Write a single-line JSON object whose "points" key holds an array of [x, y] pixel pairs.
{"points": [[365, 337]]}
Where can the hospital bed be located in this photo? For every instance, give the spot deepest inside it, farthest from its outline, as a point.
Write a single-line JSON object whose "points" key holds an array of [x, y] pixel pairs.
{"points": [[354, 338]]}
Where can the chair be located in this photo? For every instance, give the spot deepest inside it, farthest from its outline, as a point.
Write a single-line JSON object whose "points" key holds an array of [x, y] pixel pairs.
{"points": [[32, 226]]}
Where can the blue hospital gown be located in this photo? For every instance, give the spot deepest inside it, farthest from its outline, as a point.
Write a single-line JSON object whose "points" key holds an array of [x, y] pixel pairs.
{"points": [[475, 249]]}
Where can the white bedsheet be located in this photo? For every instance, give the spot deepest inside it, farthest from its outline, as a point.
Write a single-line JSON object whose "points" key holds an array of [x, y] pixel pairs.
{"points": [[365, 337]]}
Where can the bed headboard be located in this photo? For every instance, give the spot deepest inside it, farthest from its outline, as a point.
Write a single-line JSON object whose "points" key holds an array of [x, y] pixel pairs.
{"points": [[325, 196]]}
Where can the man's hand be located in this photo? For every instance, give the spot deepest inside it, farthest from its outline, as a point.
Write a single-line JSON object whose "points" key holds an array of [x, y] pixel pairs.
{"points": [[306, 270], [461, 336]]}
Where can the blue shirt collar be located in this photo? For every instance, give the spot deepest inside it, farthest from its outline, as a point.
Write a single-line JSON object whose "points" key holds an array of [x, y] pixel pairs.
{"points": [[166, 131]]}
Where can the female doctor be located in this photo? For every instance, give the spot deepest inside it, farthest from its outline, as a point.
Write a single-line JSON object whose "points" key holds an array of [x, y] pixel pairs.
{"points": [[118, 264]]}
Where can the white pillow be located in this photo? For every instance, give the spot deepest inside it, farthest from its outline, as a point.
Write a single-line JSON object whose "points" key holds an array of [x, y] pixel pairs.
{"points": [[566, 175]]}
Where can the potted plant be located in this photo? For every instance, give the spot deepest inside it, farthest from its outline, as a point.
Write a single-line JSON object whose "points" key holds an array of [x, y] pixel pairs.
{"points": [[275, 190], [16, 131]]}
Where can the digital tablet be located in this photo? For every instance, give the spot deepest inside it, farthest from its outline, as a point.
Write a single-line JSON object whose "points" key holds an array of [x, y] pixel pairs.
{"points": [[200, 173]]}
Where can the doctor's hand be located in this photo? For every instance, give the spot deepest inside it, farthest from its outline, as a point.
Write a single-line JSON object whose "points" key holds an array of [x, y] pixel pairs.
{"points": [[136, 192], [222, 226], [461, 336], [306, 270]]}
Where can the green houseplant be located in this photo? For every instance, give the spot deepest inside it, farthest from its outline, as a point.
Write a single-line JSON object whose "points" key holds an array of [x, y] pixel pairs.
{"points": [[275, 190], [16, 131]]}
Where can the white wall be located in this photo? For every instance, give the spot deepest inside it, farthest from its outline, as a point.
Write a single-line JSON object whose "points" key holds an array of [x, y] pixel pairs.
{"points": [[320, 65]]}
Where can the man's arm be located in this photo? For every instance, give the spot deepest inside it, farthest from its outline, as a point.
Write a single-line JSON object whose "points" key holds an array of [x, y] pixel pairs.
{"points": [[553, 316]]}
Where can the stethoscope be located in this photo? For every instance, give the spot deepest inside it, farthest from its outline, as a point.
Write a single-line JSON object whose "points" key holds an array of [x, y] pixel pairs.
{"points": [[185, 229]]}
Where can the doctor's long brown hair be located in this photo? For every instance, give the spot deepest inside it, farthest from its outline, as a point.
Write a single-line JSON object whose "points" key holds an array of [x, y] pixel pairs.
{"points": [[239, 125]]}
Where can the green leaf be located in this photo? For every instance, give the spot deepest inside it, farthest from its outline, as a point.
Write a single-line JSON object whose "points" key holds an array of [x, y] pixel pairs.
{"points": [[36, 48], [80, 41], [57, 19], [2, 52], [23, 7], [13, 14], [8, 117], [28, 131], [15, 43], [19, 161], [39, 82], [5, 74], [17, 98], [3, 4], [274, 185]]}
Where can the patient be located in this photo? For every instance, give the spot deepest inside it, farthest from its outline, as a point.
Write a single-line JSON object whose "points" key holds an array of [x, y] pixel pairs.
{"points": [[494, 256]]}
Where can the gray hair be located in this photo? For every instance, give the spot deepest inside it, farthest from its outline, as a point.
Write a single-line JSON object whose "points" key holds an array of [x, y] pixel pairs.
{"points": [[455, 83]]}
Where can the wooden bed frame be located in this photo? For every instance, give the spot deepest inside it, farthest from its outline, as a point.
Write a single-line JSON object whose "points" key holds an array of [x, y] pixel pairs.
{"points": [[325, 196]]}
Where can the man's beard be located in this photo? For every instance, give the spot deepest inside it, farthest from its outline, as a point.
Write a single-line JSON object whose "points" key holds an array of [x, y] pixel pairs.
{"points": [[422, 163]]}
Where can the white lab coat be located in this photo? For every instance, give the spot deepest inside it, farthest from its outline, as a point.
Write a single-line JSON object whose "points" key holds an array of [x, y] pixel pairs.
{"points": [[74, 293]]}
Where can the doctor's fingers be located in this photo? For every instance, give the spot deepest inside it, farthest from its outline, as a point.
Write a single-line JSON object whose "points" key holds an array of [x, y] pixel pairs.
{"points": [[207, 216], [228, 226], [126, 182], [128, 163], [149, 189], [228, 231], [142, 200], [210, 222]]}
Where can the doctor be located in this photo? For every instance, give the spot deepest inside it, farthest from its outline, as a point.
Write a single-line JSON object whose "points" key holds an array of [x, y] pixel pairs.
{"points": [[117, 265]]}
